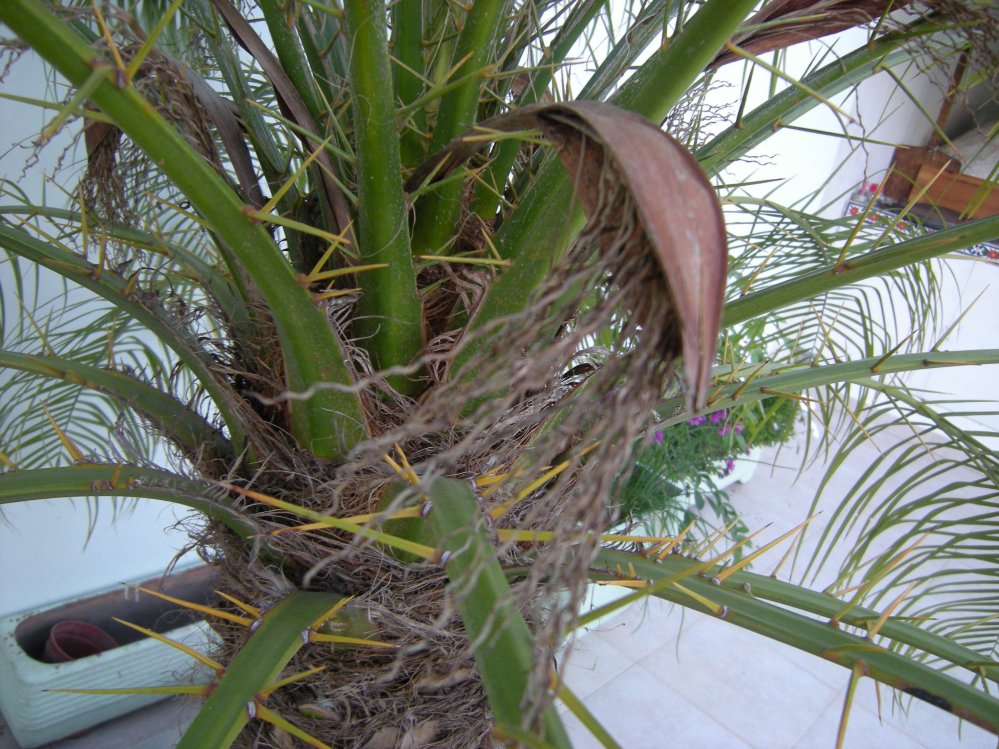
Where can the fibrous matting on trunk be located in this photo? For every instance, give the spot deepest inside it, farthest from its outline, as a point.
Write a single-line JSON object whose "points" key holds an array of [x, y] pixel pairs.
{"points": [[541, 418], [529, 402], [539, 410]]}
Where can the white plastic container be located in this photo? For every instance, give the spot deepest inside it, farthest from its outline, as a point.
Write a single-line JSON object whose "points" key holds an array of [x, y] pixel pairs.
{"points": [[36, 716]]}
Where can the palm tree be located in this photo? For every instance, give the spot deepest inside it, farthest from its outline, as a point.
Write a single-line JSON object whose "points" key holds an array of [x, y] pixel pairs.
{"points": [[400, 297]]}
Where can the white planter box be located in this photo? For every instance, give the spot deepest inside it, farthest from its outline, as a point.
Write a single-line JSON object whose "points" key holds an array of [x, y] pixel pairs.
{"points": [[742, 472], [37, 717]]}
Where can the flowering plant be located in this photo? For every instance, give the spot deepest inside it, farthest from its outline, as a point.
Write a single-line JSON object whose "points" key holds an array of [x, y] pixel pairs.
{"points": [[676, 474], [717, 424]]}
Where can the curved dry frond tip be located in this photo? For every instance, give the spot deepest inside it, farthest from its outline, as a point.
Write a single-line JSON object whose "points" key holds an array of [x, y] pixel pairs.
{"points": [[676, 205], [782, 23]]}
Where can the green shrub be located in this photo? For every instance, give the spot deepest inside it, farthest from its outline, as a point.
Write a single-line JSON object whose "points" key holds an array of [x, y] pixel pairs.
{"points": [[675, 476]]}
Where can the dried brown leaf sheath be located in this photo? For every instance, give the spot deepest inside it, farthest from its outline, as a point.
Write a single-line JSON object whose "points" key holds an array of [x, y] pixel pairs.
{"points": [[677, 206]]}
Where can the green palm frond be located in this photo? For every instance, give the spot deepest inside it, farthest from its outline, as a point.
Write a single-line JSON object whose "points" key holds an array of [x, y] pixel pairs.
{"points": [[273, 273], [930, 480], [79, 327]]}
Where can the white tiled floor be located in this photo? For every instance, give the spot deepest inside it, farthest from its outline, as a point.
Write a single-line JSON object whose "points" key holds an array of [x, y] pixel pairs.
{"points": [[655, 684], [158, 727], [660, 677]]}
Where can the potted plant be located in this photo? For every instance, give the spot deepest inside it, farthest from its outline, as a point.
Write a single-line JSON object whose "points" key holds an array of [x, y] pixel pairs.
{"points": [[377, 371]]}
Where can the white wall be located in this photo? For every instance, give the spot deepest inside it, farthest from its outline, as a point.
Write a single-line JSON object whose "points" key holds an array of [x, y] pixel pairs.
{"points": [[835, 167], [45, 552], [889, 115]]}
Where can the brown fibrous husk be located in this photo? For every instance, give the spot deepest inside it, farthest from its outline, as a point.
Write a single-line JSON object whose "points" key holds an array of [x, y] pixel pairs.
{"points": [[540, 389], [495, 414]]}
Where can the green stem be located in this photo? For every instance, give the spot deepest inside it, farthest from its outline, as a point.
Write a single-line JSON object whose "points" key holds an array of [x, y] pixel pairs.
{"points": [[314, 34], [407, 26], [328, 422], [856, 269], [666, 76], [291, 55], [187, 429], [273, 164], [437, 214], [819, 638], [488, 192], [258, 664], [537, 233], [388, 315], [112, 480], [796, 378], [501, 640], [790, 104], [825, 605], [767, 588], [648, 24]]}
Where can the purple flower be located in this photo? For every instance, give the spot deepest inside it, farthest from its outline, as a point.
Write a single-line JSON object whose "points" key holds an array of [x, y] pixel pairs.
{"points": [[659, 437], [723, 430], [729, 466], [697, 421], [719, 416], [738, 427]]}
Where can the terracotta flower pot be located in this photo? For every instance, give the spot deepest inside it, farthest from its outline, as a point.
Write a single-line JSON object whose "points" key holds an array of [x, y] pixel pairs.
{"points": [[71, 639]]}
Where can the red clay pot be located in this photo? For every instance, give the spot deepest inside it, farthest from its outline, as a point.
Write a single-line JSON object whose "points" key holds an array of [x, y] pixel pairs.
{"points": [[70, 640]]}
